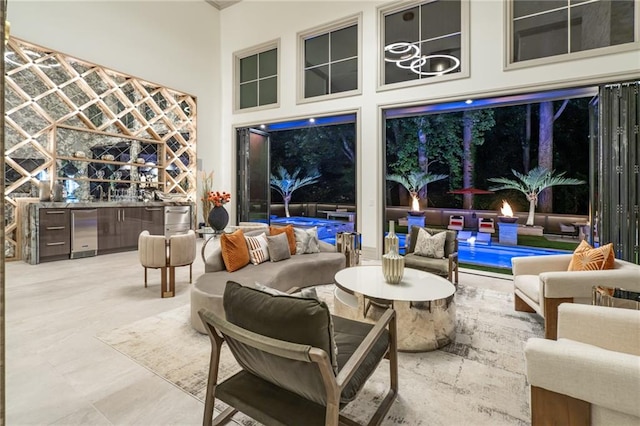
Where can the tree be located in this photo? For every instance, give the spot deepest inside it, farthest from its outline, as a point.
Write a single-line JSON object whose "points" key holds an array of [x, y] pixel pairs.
{"points": [[474, 125], [414, 182], [532, 183], [545, 146], [286, 183]]}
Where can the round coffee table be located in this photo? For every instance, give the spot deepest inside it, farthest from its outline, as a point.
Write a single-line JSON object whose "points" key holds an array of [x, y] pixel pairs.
{"points": [[424, 304]]}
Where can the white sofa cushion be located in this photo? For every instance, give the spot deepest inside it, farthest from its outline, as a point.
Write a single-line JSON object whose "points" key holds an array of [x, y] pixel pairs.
{"points": [[529, 285]]}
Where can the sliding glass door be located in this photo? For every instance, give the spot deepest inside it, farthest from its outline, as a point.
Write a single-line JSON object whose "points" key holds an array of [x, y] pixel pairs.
{"points": [[253, 172]]}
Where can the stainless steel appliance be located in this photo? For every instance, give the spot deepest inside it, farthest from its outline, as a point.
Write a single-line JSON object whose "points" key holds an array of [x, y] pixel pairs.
{"points": [[84, 233], [177, 220]]}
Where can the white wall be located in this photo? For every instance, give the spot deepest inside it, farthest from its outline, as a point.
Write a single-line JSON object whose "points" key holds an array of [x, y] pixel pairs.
{"points": [[251, 23], [171, 43]]}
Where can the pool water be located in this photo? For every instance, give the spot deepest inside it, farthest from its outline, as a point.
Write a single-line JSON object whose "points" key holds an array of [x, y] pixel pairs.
{"points": [[493, 255], [327, 228]]}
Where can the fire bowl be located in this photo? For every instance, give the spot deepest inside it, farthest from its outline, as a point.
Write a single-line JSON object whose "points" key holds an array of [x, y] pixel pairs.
{"points": [[416, 213], [507, 219]]}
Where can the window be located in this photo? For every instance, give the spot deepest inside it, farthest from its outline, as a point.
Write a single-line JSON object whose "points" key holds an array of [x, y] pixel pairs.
{"points": [[257, 76], [542, 29], [424, 41], [330, 60]]}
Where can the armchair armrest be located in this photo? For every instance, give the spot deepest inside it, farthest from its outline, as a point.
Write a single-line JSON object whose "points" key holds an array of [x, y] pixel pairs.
{"points": [[579, 284], [535, 265], [595, 375], [608, 328]]}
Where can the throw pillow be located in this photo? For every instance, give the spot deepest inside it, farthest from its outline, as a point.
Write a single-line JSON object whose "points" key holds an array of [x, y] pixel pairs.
{"points": [[587, 258], [278, 247], [291, 237], [308, 293], [235, 252], [430, 246], [307, 240], [258, 248]]}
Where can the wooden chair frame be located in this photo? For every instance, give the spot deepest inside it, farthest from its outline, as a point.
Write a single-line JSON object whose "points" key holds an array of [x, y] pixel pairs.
{"points": [[219, 328]]}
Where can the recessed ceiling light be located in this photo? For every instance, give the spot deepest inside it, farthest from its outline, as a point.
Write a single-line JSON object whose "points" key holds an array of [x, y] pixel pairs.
{"points": [[468, 101], [312, 120], [262, 126]]}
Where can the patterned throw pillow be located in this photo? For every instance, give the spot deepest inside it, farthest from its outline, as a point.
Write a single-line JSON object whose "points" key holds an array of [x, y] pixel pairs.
{"points": [[430, 246], [258, 248], [235, 252], [587, 258], [278, 247], [307, 240], [291, 237]]}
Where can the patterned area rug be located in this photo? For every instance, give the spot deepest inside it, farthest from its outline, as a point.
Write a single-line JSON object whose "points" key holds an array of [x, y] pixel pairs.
{"points": [[477, 379]]}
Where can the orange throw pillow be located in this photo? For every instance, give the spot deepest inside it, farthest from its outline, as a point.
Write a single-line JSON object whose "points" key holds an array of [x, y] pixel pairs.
{"points": [[587, 258], [235, 252], [291, 235]]}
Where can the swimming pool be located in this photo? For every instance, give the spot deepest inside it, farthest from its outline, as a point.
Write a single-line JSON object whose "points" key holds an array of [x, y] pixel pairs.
{"points": [[327, 228], [494, 255]]}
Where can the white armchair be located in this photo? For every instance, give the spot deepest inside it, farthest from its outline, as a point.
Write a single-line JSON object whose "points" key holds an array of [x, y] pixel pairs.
{"points": [[591, 374], [541, 283]]}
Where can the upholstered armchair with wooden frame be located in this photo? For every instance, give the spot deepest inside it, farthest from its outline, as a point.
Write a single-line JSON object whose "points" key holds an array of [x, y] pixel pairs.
{"points": [[591, 374], [446, 266], [542, 283], [291, 371]]}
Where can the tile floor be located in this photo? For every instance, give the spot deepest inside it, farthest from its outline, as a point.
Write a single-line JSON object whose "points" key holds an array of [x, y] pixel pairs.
{"points": [[58, 372]]}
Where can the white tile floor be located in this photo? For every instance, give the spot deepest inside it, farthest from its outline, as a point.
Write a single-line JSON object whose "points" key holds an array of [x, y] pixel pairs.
{"points": [[57, 372]]}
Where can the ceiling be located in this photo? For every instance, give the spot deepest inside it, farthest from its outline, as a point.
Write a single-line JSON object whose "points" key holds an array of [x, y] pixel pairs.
{"points": [[221, 4]]}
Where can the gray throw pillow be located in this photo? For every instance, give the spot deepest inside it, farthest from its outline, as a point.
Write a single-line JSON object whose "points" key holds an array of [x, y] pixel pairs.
{"points": [[278, 247], [308, 293], [430, 246]]}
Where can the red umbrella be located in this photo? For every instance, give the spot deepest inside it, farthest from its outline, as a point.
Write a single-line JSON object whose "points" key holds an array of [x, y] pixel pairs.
{"points": [[472, 191]]}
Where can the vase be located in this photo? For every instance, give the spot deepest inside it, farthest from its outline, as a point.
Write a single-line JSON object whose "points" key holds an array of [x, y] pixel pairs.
{"points": [[393, 266], [218, 218], [391, 240]]}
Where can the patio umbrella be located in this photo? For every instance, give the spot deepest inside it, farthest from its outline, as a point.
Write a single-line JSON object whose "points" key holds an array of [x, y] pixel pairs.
{"points": [[470, 190]]}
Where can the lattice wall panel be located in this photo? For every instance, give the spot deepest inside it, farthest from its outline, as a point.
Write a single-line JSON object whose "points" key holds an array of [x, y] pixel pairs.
{"points": [[44, 89]]}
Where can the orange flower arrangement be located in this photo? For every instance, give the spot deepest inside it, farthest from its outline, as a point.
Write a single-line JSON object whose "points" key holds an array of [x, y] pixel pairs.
{"points": [[218, 198]]}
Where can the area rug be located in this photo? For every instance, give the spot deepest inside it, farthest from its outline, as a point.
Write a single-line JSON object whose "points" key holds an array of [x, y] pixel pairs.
{"points": [[477, 379]]}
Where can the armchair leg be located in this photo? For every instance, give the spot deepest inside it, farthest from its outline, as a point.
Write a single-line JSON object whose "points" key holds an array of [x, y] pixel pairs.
{"points": [[521, 306], [551, 316], [551, 408], [145, 277], [190, 273]]}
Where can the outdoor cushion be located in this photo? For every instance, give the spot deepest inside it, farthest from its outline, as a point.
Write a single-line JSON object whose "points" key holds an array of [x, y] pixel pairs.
{"points": [[449, 245], [291, 236], [235, 252], [292, 319]]}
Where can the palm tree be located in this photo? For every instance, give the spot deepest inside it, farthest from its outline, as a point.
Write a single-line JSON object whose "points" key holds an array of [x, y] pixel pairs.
{"points": [[286, 183], [414, 182], [532, 184]]}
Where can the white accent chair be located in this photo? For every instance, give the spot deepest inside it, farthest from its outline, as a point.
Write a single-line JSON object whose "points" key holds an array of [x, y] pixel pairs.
{"points": [[591, 374], [158, 252], [152, 252], [541, 283], [182, 252]]}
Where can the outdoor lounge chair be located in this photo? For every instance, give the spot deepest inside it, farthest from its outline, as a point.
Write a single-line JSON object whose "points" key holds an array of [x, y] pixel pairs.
{"points": [[300, 365], [486, 225], [456, 223], [568, 230]]}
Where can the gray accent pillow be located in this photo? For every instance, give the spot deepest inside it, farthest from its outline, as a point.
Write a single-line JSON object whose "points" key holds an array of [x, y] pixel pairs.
{"points": [[278, 246], [430, 246], [307, 240], [308, 293]]}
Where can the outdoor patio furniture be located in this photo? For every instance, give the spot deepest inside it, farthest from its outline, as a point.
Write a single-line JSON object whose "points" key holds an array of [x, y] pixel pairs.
{"points": [[456, 223], [567, 229], [446, 267], [487, 225]]}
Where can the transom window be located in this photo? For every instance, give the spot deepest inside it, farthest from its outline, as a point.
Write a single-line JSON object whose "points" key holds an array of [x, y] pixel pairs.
{"points": [[546, 28], [423, 41], [258, 79], [331, 62]]}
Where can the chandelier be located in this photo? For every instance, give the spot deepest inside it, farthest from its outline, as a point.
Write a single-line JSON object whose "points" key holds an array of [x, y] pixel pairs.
{"points": [[408, 56]]}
